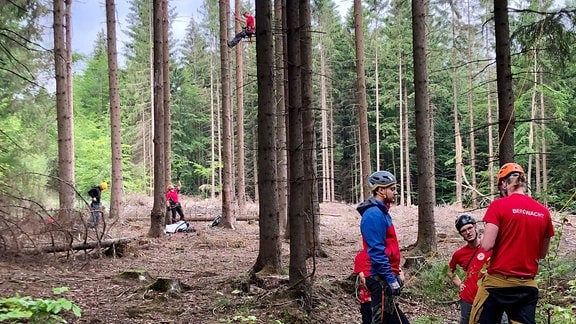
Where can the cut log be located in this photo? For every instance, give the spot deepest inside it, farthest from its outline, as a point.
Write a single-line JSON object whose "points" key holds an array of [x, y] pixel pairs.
{"points": [[86, 246]]}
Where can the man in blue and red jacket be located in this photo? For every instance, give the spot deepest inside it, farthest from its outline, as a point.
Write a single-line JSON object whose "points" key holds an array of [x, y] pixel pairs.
{"points": [[379, 237]]}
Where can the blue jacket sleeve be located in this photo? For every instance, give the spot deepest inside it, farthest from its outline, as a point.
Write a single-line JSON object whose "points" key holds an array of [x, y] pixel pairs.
{"points": [[374, 226]]}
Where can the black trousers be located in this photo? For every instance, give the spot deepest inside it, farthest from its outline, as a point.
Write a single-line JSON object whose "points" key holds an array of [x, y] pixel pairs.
{"points": [[384, 308]]}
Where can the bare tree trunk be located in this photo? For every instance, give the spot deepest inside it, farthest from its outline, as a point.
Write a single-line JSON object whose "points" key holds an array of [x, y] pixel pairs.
{"points": [[426, 241], [240, 163], [212, 133], [297, 206], [117, 190], [473, 182], [69, 74], [228, 215], [166, 97], [158, 208], [401, 131], [506, 117], [533, 108], [365, 168], [255, 162], [270, 246], [459, 165], [490, 128], [377, 111], [326, 195], [64, 114], [543, 146], [407, 150], [166, 103], [279, 82], [309, 133]]}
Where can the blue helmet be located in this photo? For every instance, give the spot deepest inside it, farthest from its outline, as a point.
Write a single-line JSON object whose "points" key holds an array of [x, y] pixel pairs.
{"points": [[381, 179]]}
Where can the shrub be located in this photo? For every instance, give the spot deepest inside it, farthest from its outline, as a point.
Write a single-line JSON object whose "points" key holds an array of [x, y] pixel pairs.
{"points": [[18, 308]]}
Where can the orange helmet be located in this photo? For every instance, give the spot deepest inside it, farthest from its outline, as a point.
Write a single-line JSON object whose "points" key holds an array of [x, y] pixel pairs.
{"points": [[507, 169], [169, 187]]}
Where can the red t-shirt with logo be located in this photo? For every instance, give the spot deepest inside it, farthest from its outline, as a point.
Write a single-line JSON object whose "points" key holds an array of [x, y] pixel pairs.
{"points": [[474, 259], [362, 264], [523, 223]]}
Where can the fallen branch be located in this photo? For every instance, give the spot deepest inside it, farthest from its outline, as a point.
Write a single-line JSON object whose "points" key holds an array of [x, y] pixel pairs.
{"points": [[86, 246]]}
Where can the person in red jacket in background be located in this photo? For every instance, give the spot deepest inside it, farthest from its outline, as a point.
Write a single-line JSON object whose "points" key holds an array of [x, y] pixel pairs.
{"points": [[173, 202], [247, 31]]}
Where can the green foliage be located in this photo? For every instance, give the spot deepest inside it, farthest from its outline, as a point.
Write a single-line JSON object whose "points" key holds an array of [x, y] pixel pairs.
{"points": [[432, 282], [16, 309]]}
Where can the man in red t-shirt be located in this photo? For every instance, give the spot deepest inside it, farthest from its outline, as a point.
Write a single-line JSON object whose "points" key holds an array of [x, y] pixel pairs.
{"points": [[518, 231], [471, 258], [247, 31]]}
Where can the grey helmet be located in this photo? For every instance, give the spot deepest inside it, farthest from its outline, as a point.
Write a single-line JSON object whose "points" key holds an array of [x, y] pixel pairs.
{"points": [[464, 219], [381, 179]]}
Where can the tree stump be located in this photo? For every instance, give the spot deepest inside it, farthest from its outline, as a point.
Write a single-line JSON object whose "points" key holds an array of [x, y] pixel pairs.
{"points": [[172, 287], [414, 262]]}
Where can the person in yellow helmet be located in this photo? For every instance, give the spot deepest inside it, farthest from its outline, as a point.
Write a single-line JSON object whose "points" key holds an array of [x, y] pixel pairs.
{"points": [[95, 204]]}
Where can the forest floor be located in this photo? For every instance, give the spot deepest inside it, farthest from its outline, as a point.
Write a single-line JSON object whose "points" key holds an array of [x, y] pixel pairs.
{"points": [[212, 265]]}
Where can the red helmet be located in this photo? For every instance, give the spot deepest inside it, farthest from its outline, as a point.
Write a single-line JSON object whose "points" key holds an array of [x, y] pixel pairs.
{"points": [[507, 169]]}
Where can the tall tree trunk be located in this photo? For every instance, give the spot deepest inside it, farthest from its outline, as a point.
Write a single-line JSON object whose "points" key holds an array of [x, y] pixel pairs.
{"points": [[401, 130], [228, 215], [543, 146], [297, 206], [308, 131], [212, 132], [459, 165], [159, 206], [64, 115], [506, 118], [117, 187], [365, 168], [270, 245], [279, 85], [240, 163], [377, 110], [533, 109], [166, 96], [407, 150], [426, 241], [473, 182], [326, 195], [69, 74], [167, 126], [489, 117]]}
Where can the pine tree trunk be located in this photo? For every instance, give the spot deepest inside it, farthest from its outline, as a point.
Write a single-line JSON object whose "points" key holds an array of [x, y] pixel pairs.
{"points": [[64, 114], [228, 216], [296, 207], [158, 208], [426, 241], [240, 163], [365, 168], [506, 118], [117, 187], [270, 245], [279, 90]]}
